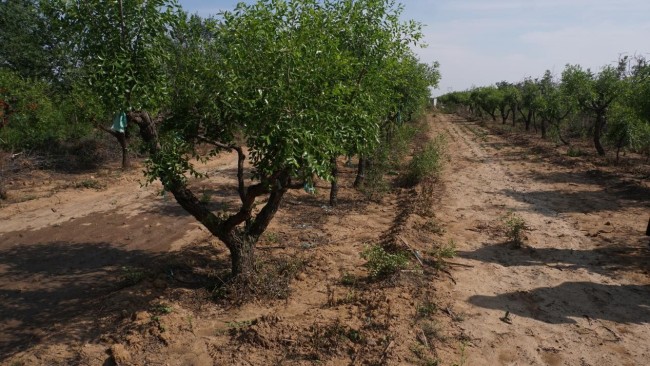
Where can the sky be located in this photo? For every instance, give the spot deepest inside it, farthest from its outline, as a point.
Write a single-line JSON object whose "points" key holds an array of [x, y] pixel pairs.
{"points": [[481, 42]]}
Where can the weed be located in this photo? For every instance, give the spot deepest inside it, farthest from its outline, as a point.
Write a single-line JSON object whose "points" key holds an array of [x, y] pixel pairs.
{"points": [[574, 152], [442, 252], [90, 183], [447, 251], [426, 200], [387, 160], [348, 279], [206, 197], [426, 309], [270, 281], [432, 330], [132, 275], [433, 227], [427, 162], [328, 339], [463, 355], [272, 237], [515, 227], [418, 350], [382, 264], [190, 323], [161, 309]]}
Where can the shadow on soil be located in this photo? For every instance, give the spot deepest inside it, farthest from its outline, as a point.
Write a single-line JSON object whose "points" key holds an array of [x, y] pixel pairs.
{"points": [[623, 304], [605, 261], [59, 292], [561, 304], [51, 284]]}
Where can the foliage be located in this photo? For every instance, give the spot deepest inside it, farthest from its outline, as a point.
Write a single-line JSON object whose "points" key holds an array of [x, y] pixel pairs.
{"points": [[121, 47], [382, 264], [34, 117], [387, 159], [426, 162], [26, 42], [610, 105]]}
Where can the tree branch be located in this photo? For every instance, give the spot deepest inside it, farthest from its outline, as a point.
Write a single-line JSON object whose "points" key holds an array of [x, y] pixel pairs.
{"points": [[241, 186]]}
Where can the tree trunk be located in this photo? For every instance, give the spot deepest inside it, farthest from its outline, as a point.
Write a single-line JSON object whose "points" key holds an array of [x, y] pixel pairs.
{"points": [[527, 118], [242, 256], [124, 144], [361, 172], [334, 190], [559, 134], [504, 115], [542, 126], [514, 116], [598, 129], [647, 231]]}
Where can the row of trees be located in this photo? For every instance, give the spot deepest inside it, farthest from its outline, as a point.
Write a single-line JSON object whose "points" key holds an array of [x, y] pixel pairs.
{"points": [[289, 85], [611, 105]]}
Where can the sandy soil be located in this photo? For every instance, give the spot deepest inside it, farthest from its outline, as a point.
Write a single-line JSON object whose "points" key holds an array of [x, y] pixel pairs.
{"points": [[578, 293], [118, 275]]}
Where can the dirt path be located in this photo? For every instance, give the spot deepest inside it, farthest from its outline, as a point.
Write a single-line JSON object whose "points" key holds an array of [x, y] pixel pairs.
{"points": [[578, 293]]}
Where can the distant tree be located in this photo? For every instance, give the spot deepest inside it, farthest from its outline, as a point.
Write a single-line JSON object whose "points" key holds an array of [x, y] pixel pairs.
{"points": [[594, 93], [530, 102], [553, 106]]}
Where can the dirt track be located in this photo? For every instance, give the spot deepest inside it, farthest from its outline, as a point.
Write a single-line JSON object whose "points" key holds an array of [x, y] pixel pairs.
{"points": [[578, 293]]}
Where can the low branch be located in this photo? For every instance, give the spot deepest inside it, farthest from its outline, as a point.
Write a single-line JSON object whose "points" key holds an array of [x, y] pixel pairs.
{"points": [[106, 129], [241, 157]]}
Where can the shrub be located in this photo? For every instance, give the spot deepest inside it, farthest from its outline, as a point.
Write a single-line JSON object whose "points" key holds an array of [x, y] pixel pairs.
{"points": [[427, 162], [381, 263], [515, 226]]}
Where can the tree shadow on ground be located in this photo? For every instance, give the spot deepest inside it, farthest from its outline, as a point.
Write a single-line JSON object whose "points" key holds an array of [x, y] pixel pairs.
{"points": [[605, 260], [55, 292], [552, 202], [628, 304]]}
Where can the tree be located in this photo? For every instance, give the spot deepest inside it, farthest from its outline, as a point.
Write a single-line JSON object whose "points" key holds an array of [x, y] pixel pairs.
{"points": [[530, 95], [120, 49], [488, 99], [26, 42], [553, 106], [285, 81], [594, 93]]}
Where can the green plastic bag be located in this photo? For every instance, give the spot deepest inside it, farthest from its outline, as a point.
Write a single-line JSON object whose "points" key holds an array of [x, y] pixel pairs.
{"points": [[119, 122]]}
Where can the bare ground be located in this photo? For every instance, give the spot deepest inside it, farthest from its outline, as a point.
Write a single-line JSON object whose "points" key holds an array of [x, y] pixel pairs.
{"points": [[122, 275], [578, 293]]}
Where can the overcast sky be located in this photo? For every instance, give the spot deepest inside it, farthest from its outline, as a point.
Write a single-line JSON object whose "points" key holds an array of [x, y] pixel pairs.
{"points": [[480, 42]]}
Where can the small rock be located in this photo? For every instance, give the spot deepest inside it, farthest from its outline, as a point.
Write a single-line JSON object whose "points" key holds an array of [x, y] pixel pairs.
{"points": [[608, 223]]}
